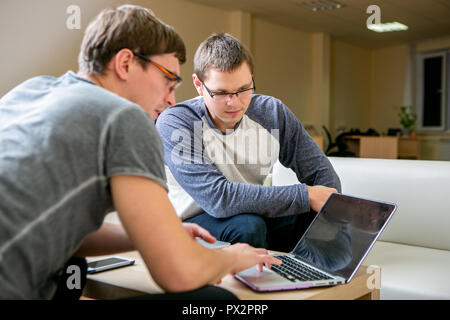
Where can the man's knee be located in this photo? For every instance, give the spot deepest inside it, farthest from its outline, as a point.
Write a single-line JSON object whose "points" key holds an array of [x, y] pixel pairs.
{"points": [[248, 228]]}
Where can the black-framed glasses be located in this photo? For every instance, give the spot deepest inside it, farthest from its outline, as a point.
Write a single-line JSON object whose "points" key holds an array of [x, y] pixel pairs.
{"points": [[223, 96], [168, 74]]}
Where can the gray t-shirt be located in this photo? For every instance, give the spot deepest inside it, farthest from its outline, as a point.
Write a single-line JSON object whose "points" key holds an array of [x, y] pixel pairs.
{"points": [[60, 141]]}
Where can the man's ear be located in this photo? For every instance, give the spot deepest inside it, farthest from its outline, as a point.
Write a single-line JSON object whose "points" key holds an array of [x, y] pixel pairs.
{"points": [[122, 62], [197, 84]]}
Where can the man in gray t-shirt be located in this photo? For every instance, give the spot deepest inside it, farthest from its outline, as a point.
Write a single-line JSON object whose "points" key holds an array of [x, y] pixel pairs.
{"points": [[57, 153], [75, 147]]}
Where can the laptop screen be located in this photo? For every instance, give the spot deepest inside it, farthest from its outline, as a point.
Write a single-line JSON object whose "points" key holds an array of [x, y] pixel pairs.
{"points": [[342, 233]]}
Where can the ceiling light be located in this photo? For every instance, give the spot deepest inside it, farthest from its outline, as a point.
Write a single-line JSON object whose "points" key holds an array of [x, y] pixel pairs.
{"points": [[387, 27], [319, 5]]}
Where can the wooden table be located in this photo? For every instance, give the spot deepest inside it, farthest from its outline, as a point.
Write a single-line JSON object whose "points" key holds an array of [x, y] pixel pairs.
{"points": [[135, 280]]}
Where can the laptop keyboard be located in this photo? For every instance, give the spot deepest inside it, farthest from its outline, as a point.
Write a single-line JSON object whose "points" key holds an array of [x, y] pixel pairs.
{"points": [[293, 270]]}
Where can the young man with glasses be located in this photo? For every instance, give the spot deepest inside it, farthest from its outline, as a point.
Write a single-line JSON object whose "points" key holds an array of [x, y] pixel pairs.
{"points": [[220, 149], [76, 147]]}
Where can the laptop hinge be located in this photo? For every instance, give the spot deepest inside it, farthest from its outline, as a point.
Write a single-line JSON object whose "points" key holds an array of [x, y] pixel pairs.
{"points": [[314, 265]]}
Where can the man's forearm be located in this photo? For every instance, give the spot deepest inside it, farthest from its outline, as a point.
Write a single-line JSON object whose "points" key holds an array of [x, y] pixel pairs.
{"points": [[228, 199], [109, 239]]}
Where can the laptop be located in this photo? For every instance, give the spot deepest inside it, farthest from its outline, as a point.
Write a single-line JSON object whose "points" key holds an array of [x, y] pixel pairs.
{"points": [[330, 251]]}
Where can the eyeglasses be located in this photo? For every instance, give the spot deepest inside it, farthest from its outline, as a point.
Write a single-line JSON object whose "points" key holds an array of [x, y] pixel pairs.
{"points": [[168, 74], [224, 96]]}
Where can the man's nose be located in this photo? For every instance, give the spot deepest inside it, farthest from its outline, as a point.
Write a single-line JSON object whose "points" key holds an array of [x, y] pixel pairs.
{"points": [[233, 99], [170, 99]]}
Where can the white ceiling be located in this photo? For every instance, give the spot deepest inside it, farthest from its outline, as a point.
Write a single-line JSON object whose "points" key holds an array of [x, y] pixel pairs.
{"points": [[425, 18]]}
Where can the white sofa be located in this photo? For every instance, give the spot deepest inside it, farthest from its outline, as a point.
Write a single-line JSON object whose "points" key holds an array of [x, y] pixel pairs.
{"points": [[414, 249]]}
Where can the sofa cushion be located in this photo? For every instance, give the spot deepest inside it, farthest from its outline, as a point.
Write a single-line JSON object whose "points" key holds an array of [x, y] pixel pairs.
{"points": [[419, 188], [411, 272]]}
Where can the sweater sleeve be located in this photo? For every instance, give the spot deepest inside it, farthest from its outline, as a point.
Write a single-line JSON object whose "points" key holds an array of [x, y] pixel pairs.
{"points": [[299, 152]]}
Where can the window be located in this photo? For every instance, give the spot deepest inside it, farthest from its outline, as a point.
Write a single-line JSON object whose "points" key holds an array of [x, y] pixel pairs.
{"points": [[433, 108]]}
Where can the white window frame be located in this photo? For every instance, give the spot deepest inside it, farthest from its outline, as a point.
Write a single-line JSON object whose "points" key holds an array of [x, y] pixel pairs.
{"points": [[419, 95]]}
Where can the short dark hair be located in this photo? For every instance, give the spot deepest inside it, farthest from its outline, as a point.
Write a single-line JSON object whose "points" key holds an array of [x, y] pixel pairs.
{"points": [[221, 51], [127, 26]]}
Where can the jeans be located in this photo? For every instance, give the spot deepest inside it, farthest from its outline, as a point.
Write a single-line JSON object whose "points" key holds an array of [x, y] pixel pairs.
{"points": [[208, 292], [63, 293], [280, 234]]}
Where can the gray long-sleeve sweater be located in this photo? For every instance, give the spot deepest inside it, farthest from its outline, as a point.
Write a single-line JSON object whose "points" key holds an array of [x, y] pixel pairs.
{"points": [[225, 174]]}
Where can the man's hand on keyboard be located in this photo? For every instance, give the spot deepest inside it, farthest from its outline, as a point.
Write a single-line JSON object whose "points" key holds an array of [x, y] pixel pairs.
{"points": [[248, 256]]}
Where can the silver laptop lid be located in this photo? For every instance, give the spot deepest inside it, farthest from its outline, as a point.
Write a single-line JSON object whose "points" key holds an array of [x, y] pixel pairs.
{"points": [[342, 234]]}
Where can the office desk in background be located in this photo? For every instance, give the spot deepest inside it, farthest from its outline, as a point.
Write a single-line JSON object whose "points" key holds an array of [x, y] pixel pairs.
{"points": [[373, 147], [408, 148], [135, 280]]}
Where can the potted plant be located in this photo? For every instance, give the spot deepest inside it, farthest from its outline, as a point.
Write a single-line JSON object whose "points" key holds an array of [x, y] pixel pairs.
{"points": [[408, 120]]}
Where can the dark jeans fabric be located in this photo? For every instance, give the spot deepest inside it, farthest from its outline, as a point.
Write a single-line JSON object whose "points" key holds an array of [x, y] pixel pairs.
{"points": [[63, 293], [280, 234], [205, 293]]}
